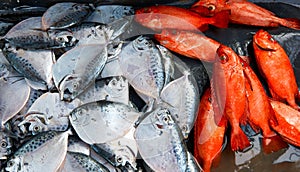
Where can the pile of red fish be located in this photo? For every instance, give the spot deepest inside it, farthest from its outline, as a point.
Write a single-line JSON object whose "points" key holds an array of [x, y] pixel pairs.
{"points": [[236, 96]]}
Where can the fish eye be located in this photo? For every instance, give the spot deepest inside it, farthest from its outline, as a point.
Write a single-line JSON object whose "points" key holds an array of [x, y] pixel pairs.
{"points": [[211, 7], [184, 128], [223, 58], [166, 119], [60, 39], [3, 144], [10, 163], [36, 128], [119, 159]]}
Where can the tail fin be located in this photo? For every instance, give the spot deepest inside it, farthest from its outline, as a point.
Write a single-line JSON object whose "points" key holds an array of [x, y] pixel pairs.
{"points": [[239, 141], [221, 19], [273, 144], [291, 23]]}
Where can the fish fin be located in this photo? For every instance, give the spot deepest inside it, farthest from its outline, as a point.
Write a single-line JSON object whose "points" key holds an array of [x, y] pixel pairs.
{"points": [[221, 19], [273, 144], [238, 140], [291, 23]]}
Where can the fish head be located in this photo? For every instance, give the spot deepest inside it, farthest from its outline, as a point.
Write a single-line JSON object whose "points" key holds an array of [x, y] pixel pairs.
{"points": [[124, 155], [143, 44], [38, 122], [163, 119], [211, 5], [263, 40], [62, 38], [70, 87], [6, 145], [168, 37], [148, 16], [15, 164], [227, 58], [80, 116]]}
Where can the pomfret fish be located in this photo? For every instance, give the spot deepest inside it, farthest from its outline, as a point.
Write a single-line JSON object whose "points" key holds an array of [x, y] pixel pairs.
{"points": [[114, 89], [14, 95], [119, 152], [106, 14], [48, 112], [75, 70], [141, 64], [183, 97], [102, 121], [6, 143], [65, 14], [28, 35], [78, 162], [33, 65], [34, 155], [160, 142]]}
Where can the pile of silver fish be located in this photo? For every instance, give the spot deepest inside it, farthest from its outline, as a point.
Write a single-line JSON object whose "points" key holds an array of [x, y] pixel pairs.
{"points": [[67, 78]]}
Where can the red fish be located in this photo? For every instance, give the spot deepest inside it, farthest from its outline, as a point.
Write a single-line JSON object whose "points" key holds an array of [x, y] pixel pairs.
{"points": [[288, 125], [190, 44], [208, 136], [170, 17], [276, 67], [261, 113], [229, 92], [244, 12]]}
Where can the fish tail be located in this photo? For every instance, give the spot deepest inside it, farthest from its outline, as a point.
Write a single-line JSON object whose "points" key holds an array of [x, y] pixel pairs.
{"points": [[206, 166], [273, 144], [239, 141], [291, 23], [221, 19]]}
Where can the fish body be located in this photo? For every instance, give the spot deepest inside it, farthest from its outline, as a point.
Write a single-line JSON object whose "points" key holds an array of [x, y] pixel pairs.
{"points": [[190, 44], [288, 122], [34, 155], [182, 95], [229, 94], [160, 128], [208, 136], [141, 63], [78, 162], [75, 70], [244, 12], [274, 63], [65, 14], [102, 121], [170, 17]]}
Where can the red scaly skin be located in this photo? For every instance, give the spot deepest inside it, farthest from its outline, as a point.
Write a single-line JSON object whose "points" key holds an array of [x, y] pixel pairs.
{"points": [[230, 95], [274, 65], [171, 17], [288, 122], [208, 136], [190, 44], [261, 113], [244, 12]]}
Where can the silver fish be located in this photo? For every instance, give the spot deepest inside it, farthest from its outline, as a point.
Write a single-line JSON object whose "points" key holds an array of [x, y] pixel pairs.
{"points": [[28, 35], [91, 33], [167, 58], [114, 89], [34, 155], [34, 65], [160, 142], [102, 121], [75, 70], [14, 95], [78, 162], [120, 152], [183, 97], [65, 14], [48, 112], [108, 13], [6, 145], [141, 64]]}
